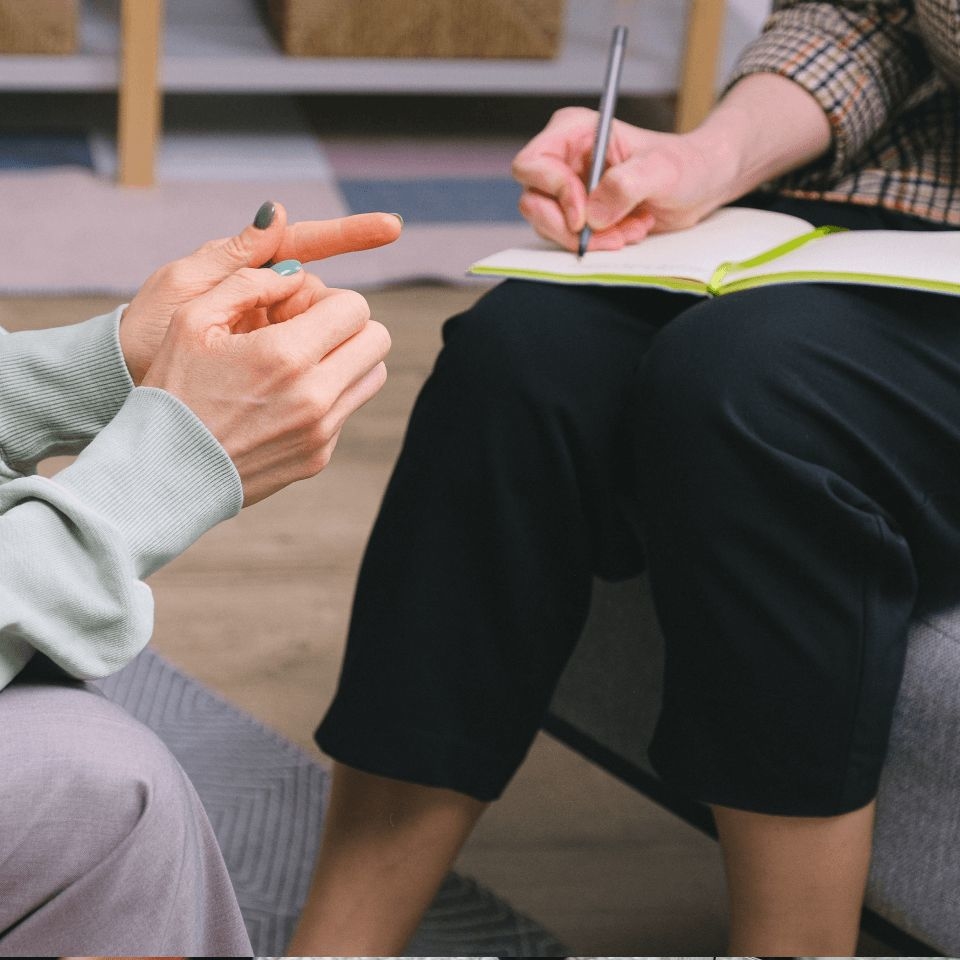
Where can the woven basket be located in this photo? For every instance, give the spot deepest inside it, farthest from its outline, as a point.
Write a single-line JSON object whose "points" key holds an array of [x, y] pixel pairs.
{"points": [[418, 28], [38, 26]]}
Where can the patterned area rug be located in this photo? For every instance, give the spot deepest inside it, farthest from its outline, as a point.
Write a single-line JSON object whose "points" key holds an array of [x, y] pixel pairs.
{"points": [[266, 799]]}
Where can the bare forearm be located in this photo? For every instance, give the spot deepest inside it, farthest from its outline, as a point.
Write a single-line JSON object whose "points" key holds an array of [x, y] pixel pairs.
{"points": [[765, 126]]}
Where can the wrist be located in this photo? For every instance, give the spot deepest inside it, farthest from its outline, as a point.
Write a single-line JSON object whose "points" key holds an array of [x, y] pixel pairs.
{"points": [[796, 132], [129, 349], [716, 142]]}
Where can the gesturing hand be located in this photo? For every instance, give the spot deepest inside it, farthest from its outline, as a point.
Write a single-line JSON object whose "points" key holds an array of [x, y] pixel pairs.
{"points": [[270, 238], [277, 395]]}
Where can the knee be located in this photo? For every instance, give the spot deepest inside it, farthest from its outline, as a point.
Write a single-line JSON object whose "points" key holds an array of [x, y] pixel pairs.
{"points": [[521, 342], [486, 344], [92, 786], [736, 367]]}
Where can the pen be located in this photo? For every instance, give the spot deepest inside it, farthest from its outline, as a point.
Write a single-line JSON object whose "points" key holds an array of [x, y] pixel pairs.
{"points": [[608, 102]]}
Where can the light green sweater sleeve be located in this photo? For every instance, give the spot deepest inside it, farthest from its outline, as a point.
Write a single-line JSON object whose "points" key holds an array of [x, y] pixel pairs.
{"points": [[74, 548], [58, 388]]}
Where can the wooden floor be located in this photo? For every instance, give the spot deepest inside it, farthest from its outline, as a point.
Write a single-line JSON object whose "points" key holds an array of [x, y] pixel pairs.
{"points": [[258, 611]]}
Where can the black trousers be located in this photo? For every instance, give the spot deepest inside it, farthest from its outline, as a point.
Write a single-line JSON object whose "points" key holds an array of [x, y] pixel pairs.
{"points": [[785, 463]]}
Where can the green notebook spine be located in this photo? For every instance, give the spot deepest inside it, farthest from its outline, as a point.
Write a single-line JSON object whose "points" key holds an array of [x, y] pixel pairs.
{"points": [[715, 285]]}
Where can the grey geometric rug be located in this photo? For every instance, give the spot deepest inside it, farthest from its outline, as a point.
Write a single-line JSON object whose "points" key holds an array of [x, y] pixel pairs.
{"points": [[266, 799]]}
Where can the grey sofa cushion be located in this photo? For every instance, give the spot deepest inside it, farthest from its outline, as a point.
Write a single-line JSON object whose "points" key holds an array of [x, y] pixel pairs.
{"points": [[915, 876], [609, 697], [610, 690]]}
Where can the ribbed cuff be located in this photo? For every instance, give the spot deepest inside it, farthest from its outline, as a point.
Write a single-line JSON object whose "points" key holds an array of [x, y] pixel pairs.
{"points": [[158, 475], [58, 388]]}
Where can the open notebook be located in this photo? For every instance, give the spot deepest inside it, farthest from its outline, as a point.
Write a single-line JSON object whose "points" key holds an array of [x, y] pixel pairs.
{"points": [[737, 248]]}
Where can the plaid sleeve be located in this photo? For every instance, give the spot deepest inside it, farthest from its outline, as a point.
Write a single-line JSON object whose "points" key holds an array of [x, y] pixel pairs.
{"points": [[861, 61]]}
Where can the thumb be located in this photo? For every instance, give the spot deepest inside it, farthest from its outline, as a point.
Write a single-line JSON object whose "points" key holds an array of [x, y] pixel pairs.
{"points": [[254, 246], [245, 289], [623, 187]]}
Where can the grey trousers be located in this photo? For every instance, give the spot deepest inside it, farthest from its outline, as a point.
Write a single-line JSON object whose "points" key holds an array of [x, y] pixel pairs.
{"points": [[104, 845]]}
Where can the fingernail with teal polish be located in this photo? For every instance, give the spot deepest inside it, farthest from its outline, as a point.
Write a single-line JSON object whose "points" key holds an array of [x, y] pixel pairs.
{"points": [[287, 267], [397, 215], [265, 215]]}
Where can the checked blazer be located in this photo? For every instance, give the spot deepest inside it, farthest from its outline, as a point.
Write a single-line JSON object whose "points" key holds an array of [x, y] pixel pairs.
{"points": [[887, 74]]}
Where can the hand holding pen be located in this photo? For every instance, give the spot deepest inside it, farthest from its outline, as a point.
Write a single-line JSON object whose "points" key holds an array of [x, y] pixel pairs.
{"points": [[653, 181]]}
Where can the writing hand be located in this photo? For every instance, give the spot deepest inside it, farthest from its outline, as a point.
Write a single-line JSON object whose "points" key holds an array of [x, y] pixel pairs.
{"points": [[655, 182]]}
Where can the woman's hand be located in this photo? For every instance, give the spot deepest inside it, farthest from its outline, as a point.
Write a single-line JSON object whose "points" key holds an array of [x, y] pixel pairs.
{"points": [[269, 238], [654, 182], [765, 126], [275, 395]]}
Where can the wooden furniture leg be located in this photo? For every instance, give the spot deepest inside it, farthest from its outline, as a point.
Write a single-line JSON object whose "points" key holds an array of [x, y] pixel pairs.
{"points": [[140, 99], [701, 53]]}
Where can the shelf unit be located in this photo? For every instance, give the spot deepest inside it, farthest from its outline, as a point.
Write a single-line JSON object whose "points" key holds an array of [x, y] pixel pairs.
{"points": [[146, 48]]}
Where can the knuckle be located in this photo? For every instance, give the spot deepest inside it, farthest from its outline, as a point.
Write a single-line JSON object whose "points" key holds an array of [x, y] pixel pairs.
{"points": [[358, 305], [317, 403], [161, 274], [325, 430], [281, 362], [530, 200], [246, 284], [322, 460], [205, 248], [378, 377], [354, 307], [520, 165], [317, 409], [319, 457], [572, 115], [545, 234], [170, 274], [184, 316], [250, 277], [380, 336], [297, 235], [622, 181], [237, 249], [568, 192], [535, 210], [313, 286]]}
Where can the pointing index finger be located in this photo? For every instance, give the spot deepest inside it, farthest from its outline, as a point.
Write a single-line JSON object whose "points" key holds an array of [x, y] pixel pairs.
{"points": [[316, 239]]}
